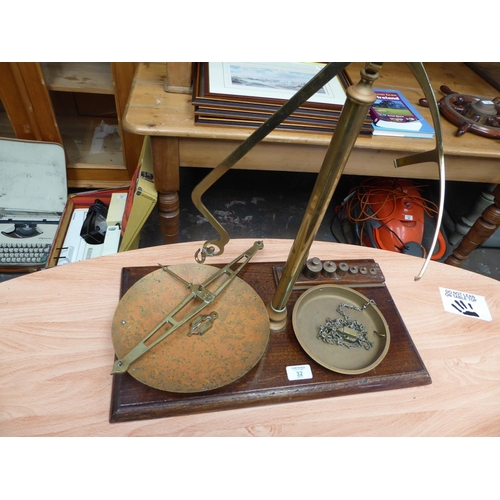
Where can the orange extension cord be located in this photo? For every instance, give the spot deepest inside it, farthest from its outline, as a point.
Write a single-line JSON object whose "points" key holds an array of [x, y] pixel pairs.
{"points": [[358, 202]]}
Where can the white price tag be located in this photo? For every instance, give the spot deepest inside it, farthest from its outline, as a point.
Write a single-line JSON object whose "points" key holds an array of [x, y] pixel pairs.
{"points": [[299, 372], [465, 304]]}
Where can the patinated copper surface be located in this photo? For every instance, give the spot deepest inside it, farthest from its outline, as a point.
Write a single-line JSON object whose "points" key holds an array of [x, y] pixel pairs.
{"points": [[195, 363]]}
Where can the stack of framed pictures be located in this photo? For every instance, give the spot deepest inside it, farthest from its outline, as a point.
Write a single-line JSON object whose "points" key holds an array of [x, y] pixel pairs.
{"points": [[246, 94]]}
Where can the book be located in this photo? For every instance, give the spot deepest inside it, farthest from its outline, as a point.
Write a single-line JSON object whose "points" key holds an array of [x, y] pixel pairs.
{"points": [[393, 115], [420, 134], [392, 110]]}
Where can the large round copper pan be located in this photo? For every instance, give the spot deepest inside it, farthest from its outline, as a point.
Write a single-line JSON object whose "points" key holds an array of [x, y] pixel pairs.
{"points": [[182, 363]]}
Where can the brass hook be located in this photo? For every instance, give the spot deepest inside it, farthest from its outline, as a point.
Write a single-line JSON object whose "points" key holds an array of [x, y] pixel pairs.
{"points": [[207, 250], [201, 259]]}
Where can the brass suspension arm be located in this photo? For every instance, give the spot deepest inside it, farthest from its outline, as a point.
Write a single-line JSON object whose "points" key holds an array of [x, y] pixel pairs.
{"points": [[216, 247]]}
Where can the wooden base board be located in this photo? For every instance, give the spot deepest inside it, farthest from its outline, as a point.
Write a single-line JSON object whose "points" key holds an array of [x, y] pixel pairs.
{"points": [[267, 383]]}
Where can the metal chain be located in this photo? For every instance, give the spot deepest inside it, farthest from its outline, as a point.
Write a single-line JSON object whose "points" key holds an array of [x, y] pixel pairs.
{"points": [[344, 331], [371, 302]]}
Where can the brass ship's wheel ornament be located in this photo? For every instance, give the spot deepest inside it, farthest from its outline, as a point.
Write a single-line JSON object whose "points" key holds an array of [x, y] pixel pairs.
{"points": [[478, 115]]}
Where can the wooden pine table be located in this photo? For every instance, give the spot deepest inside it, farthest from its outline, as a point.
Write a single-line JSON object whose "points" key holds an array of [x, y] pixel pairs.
{"points": [[56, 355], [176, 141]]}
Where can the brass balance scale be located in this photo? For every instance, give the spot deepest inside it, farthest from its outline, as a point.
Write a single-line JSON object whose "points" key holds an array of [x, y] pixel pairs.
{"points": [[194, 338]]}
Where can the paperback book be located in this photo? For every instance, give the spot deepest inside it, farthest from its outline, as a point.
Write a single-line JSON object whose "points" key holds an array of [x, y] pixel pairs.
{"points": [[394, 115]]}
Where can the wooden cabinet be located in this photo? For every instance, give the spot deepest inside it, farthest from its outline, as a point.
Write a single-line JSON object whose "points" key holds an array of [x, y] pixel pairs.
{"points": [[6, 129], [79, 105]]}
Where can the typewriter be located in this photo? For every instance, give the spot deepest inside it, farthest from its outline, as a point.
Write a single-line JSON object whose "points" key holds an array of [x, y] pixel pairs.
{"points": [[26, 237], [33, 193]]}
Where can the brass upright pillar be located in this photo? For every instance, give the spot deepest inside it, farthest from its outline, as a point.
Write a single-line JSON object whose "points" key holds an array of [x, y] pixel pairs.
{"points": [[359, 99]]}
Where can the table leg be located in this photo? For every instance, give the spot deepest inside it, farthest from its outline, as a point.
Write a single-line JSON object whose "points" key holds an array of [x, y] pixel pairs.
{"points": [[483, 228], [167, 182]]}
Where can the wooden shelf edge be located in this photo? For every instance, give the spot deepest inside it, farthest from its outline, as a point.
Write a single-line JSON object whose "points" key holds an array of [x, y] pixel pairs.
{"points": [[85, 175], [92, 78], [92, 184]]}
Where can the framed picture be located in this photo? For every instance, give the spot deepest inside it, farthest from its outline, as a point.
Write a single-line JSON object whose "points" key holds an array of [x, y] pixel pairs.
{"points": [[247, 94], [270, 80]]}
